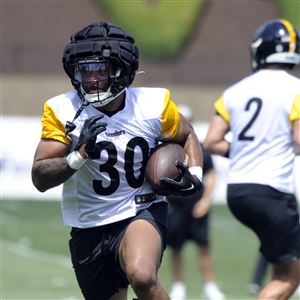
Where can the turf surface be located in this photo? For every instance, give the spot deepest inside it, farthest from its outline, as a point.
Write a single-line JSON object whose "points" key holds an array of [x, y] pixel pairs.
{"points": [[35, 259]]}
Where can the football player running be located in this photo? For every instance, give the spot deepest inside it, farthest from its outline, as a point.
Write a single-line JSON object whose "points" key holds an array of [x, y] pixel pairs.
{"points": [[263, 113], [96, 141]]}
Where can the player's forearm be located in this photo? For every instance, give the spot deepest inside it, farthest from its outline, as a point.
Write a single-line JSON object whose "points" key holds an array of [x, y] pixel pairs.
{"points": [[215, 142], [209, 184], [49, 173], [193, 150], [220, 147]]}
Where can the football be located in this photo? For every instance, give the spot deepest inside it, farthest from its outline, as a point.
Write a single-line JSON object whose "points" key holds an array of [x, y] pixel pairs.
{"points": [[161, 163]]}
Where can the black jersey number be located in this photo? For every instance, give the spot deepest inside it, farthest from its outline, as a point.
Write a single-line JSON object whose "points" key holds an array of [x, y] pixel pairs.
{"points": [[129, 165], [258, 103]]}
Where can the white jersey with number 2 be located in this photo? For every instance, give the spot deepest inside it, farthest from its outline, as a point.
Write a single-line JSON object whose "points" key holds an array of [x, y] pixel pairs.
{"points": [[260, 110]]}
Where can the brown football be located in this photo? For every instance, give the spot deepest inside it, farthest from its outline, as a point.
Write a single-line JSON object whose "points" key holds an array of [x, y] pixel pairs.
{"points": [[161, 163]]}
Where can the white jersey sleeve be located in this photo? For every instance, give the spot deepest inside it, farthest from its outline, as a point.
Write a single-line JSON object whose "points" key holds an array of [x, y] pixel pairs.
{"points": [[260, 111], [104, 190]]}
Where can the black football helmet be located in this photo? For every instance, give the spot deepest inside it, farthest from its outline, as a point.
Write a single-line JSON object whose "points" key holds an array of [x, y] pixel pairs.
{"points": [[95, 48], [275, 42]]}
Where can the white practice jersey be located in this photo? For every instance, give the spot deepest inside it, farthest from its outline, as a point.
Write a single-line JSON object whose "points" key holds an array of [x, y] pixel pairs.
{"points": [[104, 189], [260, 111]]}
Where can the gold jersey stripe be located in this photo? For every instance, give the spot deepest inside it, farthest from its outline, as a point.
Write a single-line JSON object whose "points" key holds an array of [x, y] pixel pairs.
{"points": [[169, 114], [295, 111], [292, 34], [52, 128], [221, 109]]}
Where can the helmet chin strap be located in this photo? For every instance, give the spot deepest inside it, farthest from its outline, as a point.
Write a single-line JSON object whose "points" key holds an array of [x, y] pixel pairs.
{"points": [[107, 100], [100, 99], [70, 126]]}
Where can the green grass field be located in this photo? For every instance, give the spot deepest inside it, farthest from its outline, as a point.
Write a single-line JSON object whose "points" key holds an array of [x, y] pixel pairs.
{"points": [[35, 259]]}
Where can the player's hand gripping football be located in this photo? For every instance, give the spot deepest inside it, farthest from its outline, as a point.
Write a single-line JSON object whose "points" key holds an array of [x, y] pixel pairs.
{"points": [[88, 135], [186, 184]]}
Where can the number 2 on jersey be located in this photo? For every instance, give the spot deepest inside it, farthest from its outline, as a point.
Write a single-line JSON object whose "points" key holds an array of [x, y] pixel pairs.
{"points": [[251, 102]]}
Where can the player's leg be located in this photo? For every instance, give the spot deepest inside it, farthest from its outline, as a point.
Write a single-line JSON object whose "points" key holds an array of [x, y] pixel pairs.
{"points": [[199, 232], [176, 264], [140, 254], [211, 290], [206, 264], [258, 275], [178, 288], [94, 257], [283, 248], [278, 229], [177, 234], [285, 280]]}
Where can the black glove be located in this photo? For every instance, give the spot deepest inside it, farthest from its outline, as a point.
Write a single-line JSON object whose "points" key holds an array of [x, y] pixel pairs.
{"points": [[88, 135], [187, 184]]}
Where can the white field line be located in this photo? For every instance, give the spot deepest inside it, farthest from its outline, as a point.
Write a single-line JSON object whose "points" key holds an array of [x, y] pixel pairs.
{"points": [[8, 218], [37, 255], [59, 260]]}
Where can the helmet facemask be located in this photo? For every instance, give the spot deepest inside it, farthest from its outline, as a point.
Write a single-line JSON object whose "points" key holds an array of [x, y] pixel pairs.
{"points": [[94, 49], [96, 80]]}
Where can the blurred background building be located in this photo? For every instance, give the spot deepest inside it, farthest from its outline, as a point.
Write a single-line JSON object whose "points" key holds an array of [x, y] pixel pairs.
{"points": [[33, 35]]}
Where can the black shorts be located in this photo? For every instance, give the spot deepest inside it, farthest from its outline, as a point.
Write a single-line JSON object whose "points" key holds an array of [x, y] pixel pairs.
{"points": [[94, 253], [272, 215], [182, 226]]}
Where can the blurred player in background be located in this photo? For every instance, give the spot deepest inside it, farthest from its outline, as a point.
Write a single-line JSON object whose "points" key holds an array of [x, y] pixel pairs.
{"points": [[262, 112], [96, 141], [189, 219], [258, 276]]}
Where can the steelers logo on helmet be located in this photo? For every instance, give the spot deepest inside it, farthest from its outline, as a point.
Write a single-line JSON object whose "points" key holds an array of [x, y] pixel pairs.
{"points": [[275, 42], [101, 61]]}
